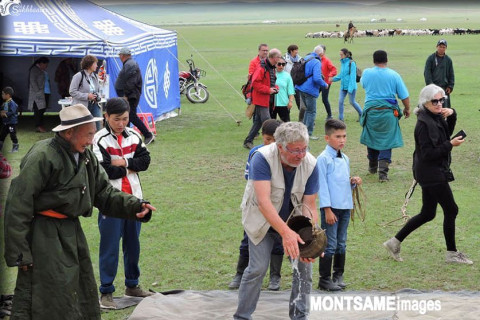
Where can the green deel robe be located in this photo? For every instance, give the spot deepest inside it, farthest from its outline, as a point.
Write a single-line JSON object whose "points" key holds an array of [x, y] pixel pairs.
{"points": [[61, 284], [381, 130]]}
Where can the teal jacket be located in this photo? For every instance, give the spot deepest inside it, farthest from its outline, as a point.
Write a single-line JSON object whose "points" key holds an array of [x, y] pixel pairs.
{"points": [[381, 130], [348, 75]]}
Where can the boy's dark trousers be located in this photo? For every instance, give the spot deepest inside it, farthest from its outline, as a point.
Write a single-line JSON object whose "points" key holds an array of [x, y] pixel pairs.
{"points": [[7, 129]]}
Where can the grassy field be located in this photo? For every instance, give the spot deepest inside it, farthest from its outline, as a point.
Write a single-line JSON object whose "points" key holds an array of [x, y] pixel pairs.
{"points": [[196, 176]]}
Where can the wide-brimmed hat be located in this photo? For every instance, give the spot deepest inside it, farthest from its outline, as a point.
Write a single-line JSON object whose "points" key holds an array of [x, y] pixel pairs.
{"points": [[74, 116]]}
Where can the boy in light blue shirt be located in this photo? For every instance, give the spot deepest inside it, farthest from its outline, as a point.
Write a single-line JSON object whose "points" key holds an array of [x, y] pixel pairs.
{"points": [[335, 203]]}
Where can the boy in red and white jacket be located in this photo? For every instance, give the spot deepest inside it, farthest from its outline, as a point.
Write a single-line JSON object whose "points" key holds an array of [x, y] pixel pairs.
{"points": [[122, 153]]}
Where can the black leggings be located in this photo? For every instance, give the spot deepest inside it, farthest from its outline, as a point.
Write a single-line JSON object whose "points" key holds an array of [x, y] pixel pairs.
{"points": [[431, 196]]}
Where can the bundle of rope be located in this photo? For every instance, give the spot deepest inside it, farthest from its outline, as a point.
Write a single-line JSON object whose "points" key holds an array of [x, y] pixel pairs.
{"points": [[359, 200]]}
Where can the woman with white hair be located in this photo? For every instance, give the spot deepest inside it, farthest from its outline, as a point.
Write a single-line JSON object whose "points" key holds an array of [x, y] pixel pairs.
{"points": [[431, 169]]}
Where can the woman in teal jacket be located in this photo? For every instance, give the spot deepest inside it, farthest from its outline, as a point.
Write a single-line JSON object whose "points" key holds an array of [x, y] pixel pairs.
{"points": [[347, 75]]}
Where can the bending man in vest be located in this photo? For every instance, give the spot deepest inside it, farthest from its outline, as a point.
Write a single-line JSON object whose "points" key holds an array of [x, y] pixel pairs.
{"points": [[282, 175]]}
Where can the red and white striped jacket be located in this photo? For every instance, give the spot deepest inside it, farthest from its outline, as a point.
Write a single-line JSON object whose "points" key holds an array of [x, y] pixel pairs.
{"points": [[132, 149]]}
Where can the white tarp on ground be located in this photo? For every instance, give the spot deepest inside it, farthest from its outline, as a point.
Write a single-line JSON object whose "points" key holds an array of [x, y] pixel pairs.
{"points": [[211, 305]]}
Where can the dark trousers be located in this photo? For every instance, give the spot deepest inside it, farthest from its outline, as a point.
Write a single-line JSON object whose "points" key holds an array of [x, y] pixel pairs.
{"points": [[325, 101], [282, 112], [111, 231], [135, 120], [431, 196], [298, 100], [277, 246], [38, 113], [261, 114], [9, 129]]}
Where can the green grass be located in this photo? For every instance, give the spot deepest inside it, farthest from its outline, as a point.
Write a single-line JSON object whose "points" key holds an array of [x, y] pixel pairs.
{"points": [[196, 176]]}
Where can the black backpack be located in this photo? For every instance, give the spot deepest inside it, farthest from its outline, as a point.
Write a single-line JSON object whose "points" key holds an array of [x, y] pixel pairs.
{"points": [[298, 71], [358, 72]]}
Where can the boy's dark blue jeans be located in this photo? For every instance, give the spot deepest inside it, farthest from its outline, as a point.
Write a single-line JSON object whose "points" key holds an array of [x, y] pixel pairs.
{"points": [[336, 233]]}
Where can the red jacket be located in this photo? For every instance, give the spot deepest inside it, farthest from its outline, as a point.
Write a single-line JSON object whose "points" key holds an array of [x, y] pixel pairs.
{"points": [[261, 85], [328, 69], [254, 63]]}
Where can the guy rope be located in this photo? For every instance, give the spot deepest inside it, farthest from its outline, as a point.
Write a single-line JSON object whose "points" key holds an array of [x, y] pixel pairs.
{"points": [[404, 216]]}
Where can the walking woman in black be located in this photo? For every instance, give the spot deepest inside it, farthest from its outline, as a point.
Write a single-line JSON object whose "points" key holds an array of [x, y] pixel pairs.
{"points": [[431, 169]]}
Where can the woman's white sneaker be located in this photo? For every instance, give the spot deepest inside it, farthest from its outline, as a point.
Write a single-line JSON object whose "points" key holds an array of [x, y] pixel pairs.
{"points": [[457, 257]]}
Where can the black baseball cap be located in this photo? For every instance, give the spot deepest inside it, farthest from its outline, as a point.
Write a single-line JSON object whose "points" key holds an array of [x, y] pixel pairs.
{"points": [[443, 41]]}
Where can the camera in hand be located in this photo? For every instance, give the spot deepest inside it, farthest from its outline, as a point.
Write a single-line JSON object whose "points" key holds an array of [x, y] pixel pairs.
{"points": [[98, 98]]}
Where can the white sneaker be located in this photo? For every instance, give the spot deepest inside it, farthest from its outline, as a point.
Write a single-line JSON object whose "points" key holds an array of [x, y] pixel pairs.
{"points": [[457, 257], [393, 247]]}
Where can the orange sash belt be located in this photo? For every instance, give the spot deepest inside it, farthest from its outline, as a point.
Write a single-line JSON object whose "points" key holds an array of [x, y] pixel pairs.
{"points": [[53, 214]]}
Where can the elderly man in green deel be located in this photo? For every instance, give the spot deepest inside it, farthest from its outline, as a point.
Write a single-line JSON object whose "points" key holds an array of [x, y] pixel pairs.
{"points": [[60, 180]]}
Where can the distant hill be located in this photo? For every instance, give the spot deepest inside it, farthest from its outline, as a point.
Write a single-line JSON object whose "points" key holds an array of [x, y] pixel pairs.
{"points": [[208, 12]]}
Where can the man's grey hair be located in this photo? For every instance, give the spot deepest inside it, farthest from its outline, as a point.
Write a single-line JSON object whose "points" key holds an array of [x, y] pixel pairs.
{"points": [[427, 94], [273, 53], [318, 49], [291, 132]]}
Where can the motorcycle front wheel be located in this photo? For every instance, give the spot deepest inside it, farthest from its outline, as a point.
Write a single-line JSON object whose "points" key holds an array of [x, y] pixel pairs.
{"points": [[197, 94], [181, 82]]}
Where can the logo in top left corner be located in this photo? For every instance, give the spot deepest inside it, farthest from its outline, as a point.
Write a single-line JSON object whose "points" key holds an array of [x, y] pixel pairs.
{"points": [[6, 5]]}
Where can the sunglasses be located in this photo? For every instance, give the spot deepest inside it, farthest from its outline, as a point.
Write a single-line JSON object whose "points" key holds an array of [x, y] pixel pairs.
{"points": [[436, 101], [281, 64]]}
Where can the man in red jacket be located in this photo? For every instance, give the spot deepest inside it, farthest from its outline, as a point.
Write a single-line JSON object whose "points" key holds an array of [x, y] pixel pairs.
{"points": [[255, 62], [328, 72], [264, 89]]}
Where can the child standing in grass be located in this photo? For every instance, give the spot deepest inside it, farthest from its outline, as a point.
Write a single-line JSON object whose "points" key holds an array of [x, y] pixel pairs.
{"points": [[122, 154], [335, 202], [9, 119], [268, 129]]}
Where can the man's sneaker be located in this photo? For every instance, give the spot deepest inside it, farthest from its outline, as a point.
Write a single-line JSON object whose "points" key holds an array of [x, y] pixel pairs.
{"points": [[106, 301], [15, 147], [457, 257], [248, 145], [149, 139], [313, 138], [137, 292], [393, 247]]}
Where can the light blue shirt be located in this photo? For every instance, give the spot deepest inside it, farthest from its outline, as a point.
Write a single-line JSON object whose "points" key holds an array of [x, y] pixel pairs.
{"points": [[334, 179], [383, 83]]}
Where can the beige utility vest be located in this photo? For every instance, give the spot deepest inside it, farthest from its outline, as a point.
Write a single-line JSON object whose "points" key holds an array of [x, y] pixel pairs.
{"points": [[255, 224]]}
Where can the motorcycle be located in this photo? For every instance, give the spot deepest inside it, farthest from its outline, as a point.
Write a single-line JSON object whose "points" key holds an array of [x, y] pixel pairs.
{"points": [[190, 85]]}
